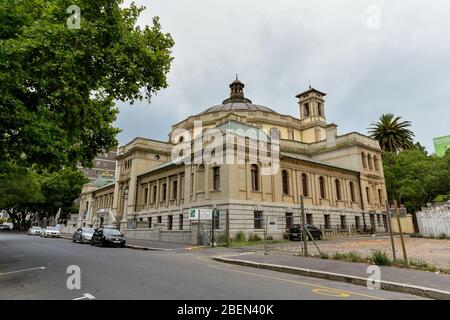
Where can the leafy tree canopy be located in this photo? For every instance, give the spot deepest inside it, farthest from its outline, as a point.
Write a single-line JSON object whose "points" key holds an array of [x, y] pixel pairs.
{"points": [[415, 178], [59, 84], [392, 133]]}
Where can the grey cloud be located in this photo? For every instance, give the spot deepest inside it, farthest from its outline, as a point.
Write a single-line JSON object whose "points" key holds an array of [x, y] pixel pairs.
{"points": [[278, 47]]}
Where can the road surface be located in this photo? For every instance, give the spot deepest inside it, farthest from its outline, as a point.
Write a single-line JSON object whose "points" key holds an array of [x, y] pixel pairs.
{"points": [[36, 268]]}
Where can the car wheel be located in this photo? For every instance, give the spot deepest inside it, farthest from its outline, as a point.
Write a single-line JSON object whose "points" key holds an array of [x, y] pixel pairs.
{"points": [[73, 239], [92, 242]]}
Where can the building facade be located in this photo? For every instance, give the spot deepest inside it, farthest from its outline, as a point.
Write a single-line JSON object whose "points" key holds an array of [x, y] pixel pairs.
{"points": [[103, 164], [261, 164]]}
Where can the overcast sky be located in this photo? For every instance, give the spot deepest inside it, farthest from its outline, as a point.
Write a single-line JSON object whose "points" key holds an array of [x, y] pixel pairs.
{"points": [[399, 65]]}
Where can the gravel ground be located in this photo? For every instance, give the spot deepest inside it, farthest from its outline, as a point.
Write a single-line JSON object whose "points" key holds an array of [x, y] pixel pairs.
{"points": [[433, 251]]}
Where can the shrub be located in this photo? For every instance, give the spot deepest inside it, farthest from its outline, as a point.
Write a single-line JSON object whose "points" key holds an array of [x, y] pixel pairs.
{"points": [[285, 236], [240, 236], [254, 237], [443, 236], [270, 238], [324, 255], [380, 258]]}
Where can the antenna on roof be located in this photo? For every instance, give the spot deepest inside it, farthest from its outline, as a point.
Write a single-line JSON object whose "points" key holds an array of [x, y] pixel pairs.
{"points": [[236, 76]]}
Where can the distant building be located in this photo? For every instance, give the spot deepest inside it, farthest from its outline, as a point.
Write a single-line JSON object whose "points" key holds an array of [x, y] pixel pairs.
{"points": [[441, 145], [104, 164]]}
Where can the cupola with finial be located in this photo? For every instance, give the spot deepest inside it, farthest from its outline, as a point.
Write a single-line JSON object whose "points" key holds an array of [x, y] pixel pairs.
{"points": [[237, 93]]}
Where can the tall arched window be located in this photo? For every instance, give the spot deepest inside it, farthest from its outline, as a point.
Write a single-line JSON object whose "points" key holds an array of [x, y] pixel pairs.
{"points": [[364, 160], [307, 112], [255, 177], [352, 191], [369, 160], [338, 189], [305, 185], [285, 181], [322, 187], [376, 163]]}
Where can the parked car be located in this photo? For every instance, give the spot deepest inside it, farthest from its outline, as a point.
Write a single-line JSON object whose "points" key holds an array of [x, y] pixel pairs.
{"points": [[83, 235], [296, 231], [4, 227], [34, 231], [108, 236], [51, 232]]}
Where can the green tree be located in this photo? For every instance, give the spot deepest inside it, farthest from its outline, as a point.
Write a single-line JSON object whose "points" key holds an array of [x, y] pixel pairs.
{"points": [[59, 84], [414, 178], [392, 133], [20, 193]]}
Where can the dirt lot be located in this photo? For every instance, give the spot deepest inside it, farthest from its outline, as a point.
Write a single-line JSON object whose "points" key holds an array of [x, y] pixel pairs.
{"points": [[429, 250]]}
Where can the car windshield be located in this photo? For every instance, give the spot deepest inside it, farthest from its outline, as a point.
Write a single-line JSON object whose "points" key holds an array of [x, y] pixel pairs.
{"points": [[112, 232], [52, 228], [88, 230], [36, 228]]}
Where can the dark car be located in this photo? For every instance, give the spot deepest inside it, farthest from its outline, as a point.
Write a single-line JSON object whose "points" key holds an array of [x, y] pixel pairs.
{"points": [[83, 235], [108, 236], [296, 231]]}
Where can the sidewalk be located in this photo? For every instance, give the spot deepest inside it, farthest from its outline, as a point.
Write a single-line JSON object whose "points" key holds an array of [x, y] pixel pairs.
{"points": [[421, 283]]}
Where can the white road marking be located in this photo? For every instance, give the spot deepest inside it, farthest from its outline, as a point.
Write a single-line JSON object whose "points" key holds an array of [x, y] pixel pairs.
{"points": [[85, 296], [17, 271]]}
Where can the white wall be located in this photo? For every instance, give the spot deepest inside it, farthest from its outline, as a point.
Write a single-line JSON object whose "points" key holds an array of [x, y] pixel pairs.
{"points": [[433, 222]]}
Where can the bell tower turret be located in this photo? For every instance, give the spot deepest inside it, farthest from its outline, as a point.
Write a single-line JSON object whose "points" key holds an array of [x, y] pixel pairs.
{"points": [[312, 115]]}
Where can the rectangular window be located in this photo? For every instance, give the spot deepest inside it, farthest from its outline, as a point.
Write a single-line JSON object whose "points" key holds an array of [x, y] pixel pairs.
{"points": [[357, 223], [379, 218], [216, 178], [175, 189], [169, 222], [327, 221], [258, 219], [180, 225], [145, 195], [164, 192], [343, 222], [159, 219], [368, 194], [289, 220], [309, 218], [150, 222], [154, 194]]}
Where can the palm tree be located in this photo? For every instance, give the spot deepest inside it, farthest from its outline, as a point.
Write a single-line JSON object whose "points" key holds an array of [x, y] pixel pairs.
{"points": [[392, 133]]}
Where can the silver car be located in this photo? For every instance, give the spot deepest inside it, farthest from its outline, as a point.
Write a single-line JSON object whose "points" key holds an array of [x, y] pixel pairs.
{"points": [[34, 231], [51, 232], [83, 235]]}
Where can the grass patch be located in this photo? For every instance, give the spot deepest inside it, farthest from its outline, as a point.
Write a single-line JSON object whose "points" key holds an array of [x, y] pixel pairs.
{"points": [[349, 257], [380, 258], [324, 255]]}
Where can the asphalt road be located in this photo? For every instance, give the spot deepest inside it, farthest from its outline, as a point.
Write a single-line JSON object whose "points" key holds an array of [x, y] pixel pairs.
{"points": [[35, 268]]}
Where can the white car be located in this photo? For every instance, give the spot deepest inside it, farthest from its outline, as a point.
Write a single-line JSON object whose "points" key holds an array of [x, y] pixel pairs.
{"points": [[35, 231], [51, 232]]}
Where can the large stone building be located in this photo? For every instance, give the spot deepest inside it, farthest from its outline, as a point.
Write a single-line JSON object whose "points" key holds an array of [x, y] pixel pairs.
{"points": [[339, 176], [103, 164]]}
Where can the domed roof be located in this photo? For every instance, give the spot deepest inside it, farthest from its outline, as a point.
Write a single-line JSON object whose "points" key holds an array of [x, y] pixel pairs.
{"points": [[237, 101], [240, 106]]}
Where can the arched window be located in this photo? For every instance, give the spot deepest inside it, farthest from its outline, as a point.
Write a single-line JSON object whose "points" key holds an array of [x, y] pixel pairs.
{"points": [[306, 106], [364, 160], [255, 177], [319, 109], [352, 191], [338, 189], [368, 194], [322, 187], [376, 163], [305, 185], [369, 160], [285, 181]]}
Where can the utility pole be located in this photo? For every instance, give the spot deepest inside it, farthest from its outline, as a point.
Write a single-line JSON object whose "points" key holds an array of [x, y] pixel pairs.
{"points": [[198, 227], [305, 239], [227, 222], [405, 257], [388, 212]]}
